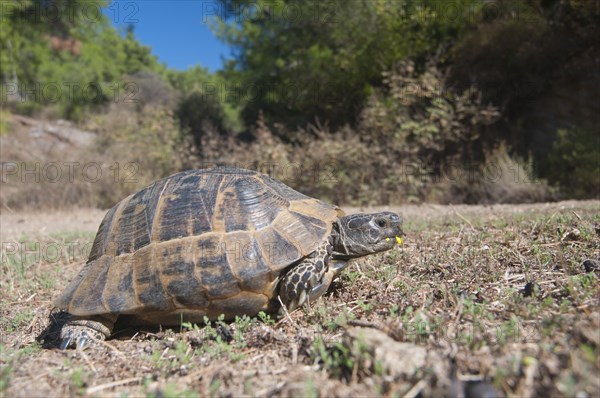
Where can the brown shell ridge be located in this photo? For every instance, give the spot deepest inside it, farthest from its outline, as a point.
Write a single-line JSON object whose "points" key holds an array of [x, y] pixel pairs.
{"points": [[195, 225], [158, 204], [119, 292], [149, 289], [179, 273], [204, 211], [281, 190], [112, 245], [98, 246], [323, 220], [133, 224], [218, 216], [82, 302], [211, 268], [64, 299], [289, 225], [256, 204], [248, 264], [108, 231], [269, 184], [156, 227]]}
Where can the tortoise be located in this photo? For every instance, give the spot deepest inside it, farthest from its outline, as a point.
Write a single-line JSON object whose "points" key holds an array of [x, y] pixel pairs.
{"points": [[211, 242]]}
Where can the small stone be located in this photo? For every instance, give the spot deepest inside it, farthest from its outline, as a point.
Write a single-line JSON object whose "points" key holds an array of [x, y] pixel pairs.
{"points": [[225, 333], [573, 234], [590, 265], [529, 289]]}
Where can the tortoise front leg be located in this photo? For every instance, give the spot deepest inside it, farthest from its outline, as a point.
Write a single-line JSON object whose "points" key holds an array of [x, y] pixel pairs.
{"points": [[79, 331], [333, 270], [309, 279]]}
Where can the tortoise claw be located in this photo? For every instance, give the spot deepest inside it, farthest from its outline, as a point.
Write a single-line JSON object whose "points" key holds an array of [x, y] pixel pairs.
{"points": [[82, 341], [298, 302], [78, 336], [302, 298], [66, 342], [291, 306]]}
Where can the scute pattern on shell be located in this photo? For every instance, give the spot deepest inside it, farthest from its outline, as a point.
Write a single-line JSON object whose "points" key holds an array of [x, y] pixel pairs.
{"points": [[206, 241]]}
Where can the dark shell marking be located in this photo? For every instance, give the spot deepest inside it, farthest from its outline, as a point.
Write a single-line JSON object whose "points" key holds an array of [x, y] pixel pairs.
{"points": [[201, 242]]}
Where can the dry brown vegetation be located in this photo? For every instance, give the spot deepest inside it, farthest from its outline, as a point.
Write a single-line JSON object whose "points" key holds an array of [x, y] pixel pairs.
{"points": [[506, 294], [390, 158]]}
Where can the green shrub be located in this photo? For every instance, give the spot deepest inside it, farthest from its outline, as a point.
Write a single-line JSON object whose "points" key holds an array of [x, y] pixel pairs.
{"points": [[575, 163], [197, 113]]}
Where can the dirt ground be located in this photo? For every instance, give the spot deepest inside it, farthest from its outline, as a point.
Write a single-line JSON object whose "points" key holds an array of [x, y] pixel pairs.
{"points": [[500, 299], [13, 224]]}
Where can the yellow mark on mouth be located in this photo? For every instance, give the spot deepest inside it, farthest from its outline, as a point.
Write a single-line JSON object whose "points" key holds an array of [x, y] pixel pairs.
{"points": [[398, 239]]}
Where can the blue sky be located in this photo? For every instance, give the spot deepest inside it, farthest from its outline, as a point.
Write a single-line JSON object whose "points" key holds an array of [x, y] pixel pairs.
{"points": [[174, 29]]}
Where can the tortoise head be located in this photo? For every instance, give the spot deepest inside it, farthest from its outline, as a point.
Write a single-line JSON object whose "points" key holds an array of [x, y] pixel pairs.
{"points": [[362, 234]]}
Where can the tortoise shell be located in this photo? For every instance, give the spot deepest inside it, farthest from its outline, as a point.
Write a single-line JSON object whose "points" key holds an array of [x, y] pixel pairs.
{"points": [[198, 243]]}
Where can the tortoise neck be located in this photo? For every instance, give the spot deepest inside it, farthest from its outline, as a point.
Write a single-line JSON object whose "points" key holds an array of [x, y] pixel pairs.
{"points": [[338, 239]]}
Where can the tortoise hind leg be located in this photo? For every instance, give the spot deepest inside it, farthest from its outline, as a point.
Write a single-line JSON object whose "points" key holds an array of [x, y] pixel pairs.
{"points": [[79, 331], [307, 280]]}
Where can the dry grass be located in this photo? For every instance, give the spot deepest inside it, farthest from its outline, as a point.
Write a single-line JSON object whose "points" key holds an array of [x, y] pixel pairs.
{"points": [[494, 293], [55, 165]]}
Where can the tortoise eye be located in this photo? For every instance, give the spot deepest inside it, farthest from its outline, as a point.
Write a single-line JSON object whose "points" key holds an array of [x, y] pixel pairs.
{"points": [[381, 223]]}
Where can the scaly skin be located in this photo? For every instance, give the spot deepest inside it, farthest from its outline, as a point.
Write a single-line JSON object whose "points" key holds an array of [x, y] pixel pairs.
{"points": [[305, 281], [78, 332], [351, 237]]}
